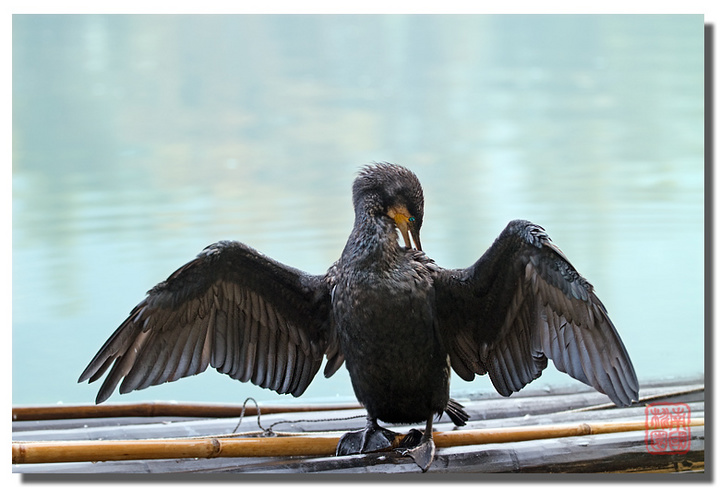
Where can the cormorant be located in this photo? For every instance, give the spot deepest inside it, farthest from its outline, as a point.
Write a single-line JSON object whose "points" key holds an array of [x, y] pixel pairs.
{"points": [[398, 321]]}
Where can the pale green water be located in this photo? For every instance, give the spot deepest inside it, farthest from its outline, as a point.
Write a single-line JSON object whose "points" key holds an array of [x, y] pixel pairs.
{"points": [[138, 140]]}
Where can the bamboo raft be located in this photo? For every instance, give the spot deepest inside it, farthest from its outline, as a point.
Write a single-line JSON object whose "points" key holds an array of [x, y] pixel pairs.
{"points": [[533, 431]]}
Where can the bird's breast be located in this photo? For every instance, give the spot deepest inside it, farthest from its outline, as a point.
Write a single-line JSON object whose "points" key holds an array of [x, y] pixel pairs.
{"points": [[376, 311]]}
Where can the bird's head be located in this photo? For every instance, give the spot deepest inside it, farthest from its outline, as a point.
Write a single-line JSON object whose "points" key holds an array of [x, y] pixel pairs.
{"points": [[384, 189]]}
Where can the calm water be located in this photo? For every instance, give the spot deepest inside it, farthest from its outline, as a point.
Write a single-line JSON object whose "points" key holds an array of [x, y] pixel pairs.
{"points": [[138, 140]]}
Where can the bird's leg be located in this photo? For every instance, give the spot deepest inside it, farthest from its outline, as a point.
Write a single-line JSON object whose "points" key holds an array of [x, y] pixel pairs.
{"points": [[420, 448], [372, 439]]}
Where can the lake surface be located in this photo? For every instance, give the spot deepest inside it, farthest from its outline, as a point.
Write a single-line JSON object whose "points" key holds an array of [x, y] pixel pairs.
{"points": [[139, 140]]}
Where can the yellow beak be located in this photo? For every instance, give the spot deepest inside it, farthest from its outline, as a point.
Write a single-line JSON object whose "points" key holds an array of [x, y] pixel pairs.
{"points": [[406, 225]]}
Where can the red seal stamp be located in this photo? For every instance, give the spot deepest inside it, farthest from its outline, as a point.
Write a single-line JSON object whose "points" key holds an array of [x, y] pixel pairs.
{"points": [[667, 428]]}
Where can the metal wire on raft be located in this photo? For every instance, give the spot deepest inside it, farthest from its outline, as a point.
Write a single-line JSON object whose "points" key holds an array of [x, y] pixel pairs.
{"points": [[269, 432]]}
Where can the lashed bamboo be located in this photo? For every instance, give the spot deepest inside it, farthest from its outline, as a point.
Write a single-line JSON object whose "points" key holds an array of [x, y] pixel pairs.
{"points": [[209, 447]]}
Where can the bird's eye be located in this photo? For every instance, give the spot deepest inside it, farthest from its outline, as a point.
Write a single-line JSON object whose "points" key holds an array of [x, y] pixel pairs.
{"points": [[411, 219]]}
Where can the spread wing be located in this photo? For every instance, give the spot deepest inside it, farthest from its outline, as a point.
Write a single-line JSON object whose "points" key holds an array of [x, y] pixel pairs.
{"points": [[233, 308], [521, 303]]}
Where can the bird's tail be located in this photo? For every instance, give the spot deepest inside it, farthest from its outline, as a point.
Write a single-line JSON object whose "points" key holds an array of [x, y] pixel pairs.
{"points": [[456, 412]]}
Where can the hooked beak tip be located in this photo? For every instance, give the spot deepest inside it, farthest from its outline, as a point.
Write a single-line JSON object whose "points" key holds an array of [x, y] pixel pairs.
{"points": [[416, 240], [411, 237]]}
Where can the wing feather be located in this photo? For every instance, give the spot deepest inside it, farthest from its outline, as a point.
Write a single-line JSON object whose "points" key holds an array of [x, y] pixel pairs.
{"points": [[243, 361], [190, 357], [201, 358], [290, 367], [298, 373], [177, 362], [270, 358], [281, 360], [260, 370]]}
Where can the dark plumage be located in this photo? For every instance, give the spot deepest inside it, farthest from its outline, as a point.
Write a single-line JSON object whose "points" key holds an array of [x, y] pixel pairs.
{"points": [[397, 320]]}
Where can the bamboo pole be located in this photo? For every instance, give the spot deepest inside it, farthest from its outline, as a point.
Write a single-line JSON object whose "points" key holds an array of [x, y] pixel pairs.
{"points": [[152, 409], [210, 447], [525, 433]]}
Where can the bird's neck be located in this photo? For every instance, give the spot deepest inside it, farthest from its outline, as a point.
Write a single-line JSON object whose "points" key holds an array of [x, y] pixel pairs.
{"points": [[373, 243]]}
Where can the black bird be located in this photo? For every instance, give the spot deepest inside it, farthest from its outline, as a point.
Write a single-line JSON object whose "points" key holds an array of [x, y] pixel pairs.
{"points": [[398, 321]]}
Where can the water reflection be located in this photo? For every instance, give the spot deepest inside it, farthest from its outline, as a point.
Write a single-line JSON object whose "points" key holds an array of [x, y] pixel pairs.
{"points": [[138, 140]]}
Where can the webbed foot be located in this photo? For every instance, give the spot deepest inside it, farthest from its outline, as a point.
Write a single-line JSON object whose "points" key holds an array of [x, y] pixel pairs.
{"points": [[423, 454], [419, 446], [372, 439]]}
